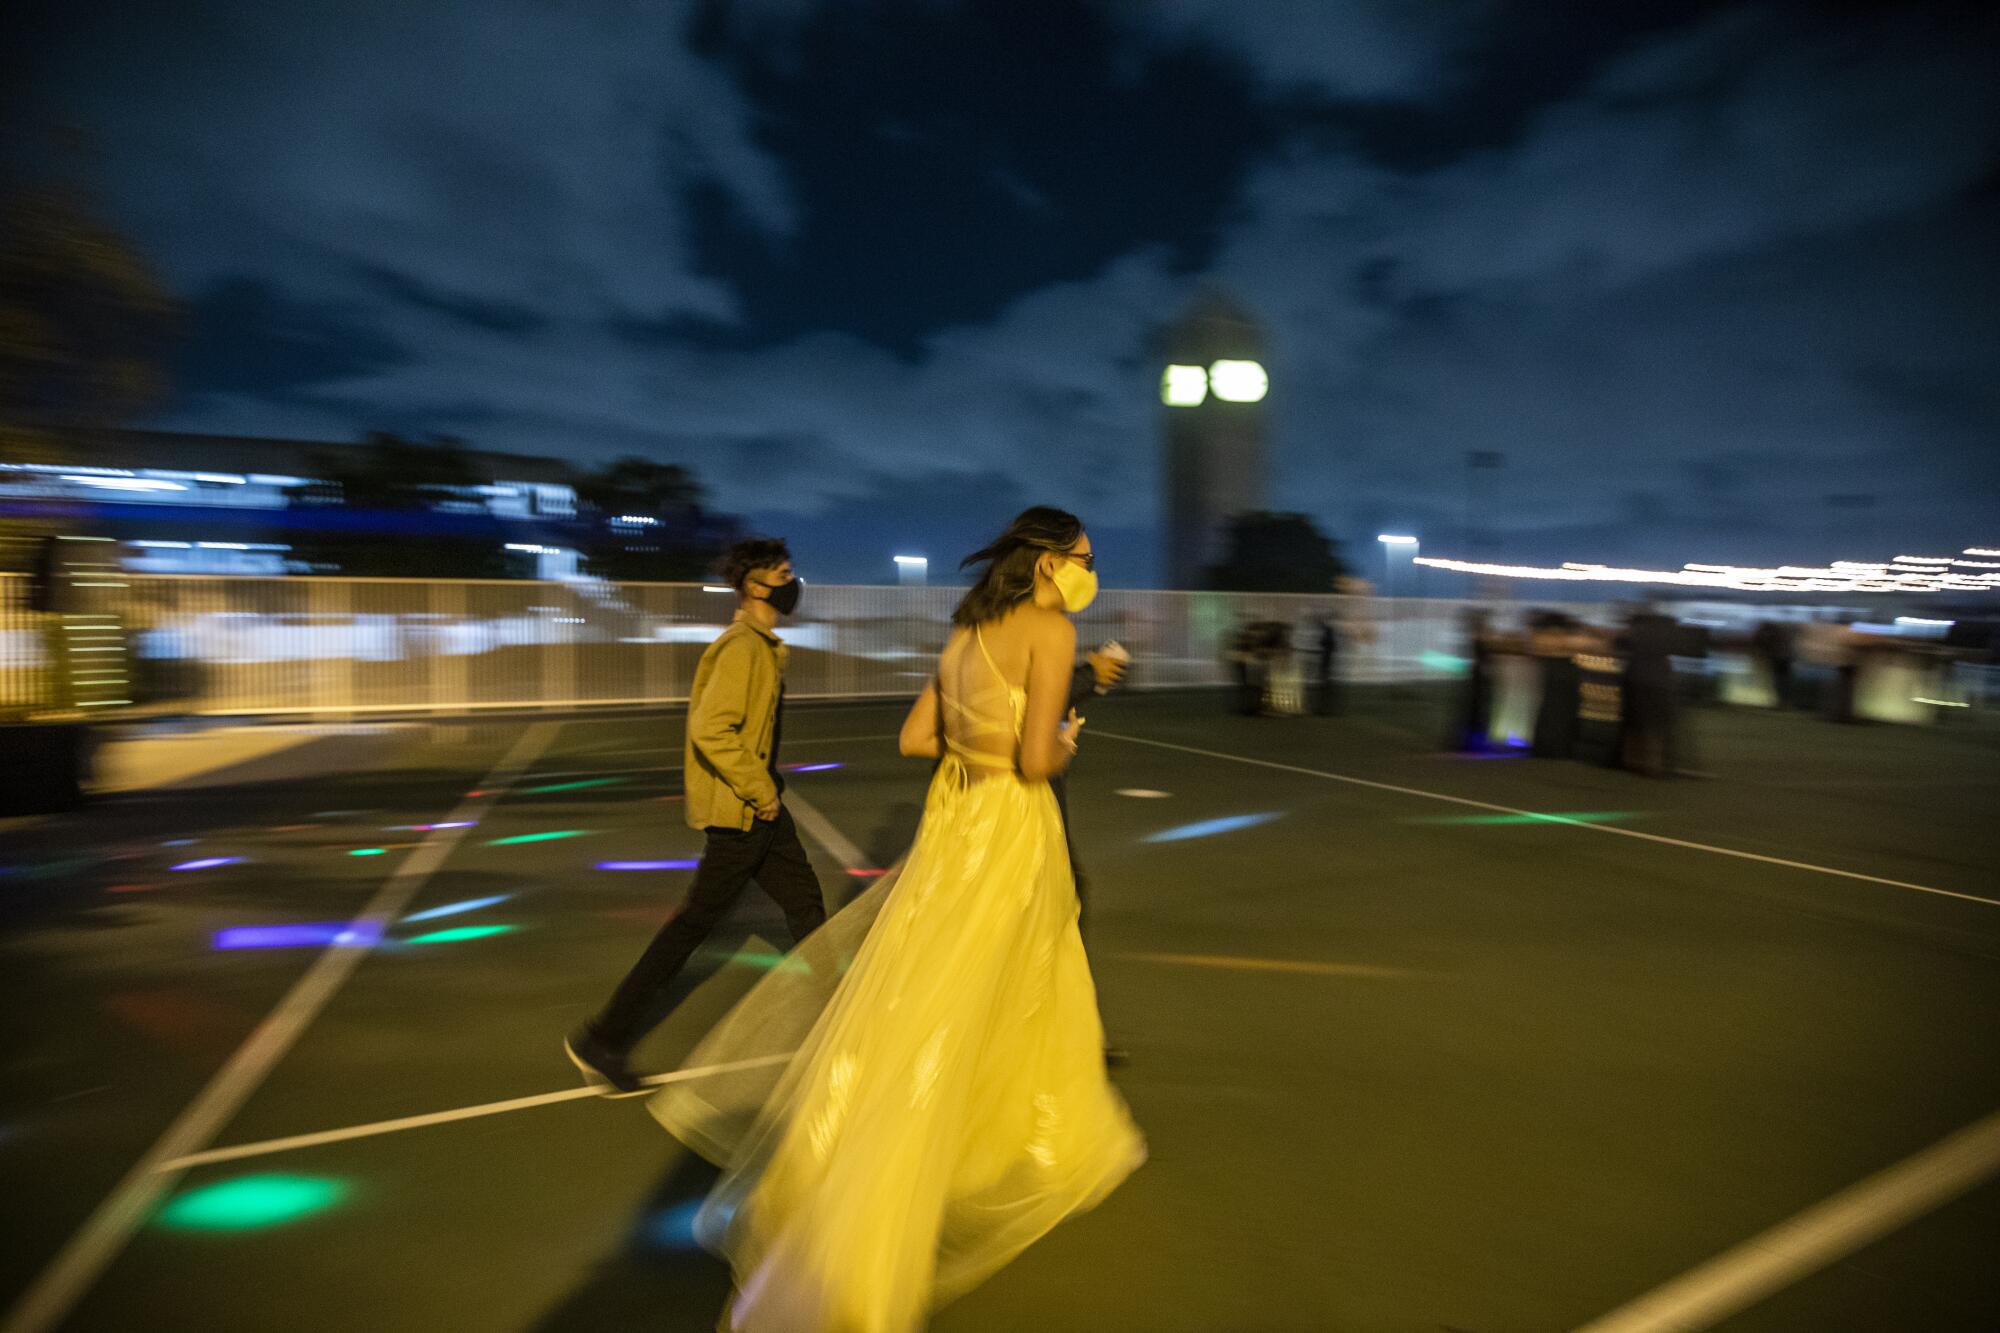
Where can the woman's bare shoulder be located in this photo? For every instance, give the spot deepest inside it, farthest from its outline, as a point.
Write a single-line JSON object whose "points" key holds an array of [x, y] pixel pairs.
{"points": [[1045, 628]]}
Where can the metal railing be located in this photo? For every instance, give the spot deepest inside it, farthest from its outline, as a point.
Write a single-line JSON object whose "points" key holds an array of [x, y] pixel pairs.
{"points": [[236, 645], [247, 645]]}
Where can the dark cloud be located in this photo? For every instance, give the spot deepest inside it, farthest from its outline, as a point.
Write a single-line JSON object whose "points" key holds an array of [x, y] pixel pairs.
{"points": [[246, 337], [883, 274]]}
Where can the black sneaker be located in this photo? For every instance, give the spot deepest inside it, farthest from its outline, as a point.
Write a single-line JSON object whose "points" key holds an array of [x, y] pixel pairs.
{"points": [[601, 1067]]}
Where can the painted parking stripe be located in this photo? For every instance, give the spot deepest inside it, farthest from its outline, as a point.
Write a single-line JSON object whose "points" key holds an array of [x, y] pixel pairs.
{"points": [[1820, 1236], [291, 1143], [1540, 817], [56, 1291]]}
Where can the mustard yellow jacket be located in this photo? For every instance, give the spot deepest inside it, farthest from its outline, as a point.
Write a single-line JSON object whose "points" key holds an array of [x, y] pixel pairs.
{"points": [[732, 718]]}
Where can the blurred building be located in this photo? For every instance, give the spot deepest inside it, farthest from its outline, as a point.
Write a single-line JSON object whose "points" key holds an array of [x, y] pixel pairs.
{"points": [[1212, 390], [216, 504]]}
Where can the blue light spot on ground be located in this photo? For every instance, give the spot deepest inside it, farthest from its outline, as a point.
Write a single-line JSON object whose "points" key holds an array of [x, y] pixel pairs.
{"points": [[208, 863], [673, 1228], [647, 865], [1208, 828], [300, 936], [453, 909]]}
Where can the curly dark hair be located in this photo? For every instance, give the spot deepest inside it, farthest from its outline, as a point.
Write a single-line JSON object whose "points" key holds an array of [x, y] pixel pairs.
{"points": [[751, 553], [1010, 560]]}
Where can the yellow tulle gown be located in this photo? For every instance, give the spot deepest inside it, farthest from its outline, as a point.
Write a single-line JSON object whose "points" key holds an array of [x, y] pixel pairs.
{"points": [[917, 1093]]}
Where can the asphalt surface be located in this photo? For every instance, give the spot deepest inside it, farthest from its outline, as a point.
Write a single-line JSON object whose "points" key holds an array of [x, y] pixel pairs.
{"points": [[1404, 1063]]}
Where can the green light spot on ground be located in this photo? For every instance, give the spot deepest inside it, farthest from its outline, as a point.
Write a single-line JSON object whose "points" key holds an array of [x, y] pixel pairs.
{"points": [[572, 786], [459, 933], [539, 837], [369, 851], [1553, 817], [251, 1201]]}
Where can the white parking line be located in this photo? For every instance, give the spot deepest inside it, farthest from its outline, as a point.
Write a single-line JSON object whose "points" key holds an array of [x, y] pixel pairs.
{"points": [[53, 1294], [821, 830], [266, 1147], [1822, 1235], [1557, 819]]}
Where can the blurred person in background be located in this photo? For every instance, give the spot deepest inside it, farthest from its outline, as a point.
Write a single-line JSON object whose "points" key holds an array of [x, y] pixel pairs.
{"points": [[1243, 664], [1647, 742], [1554, 640], [1284, 676], [1472, 718], [917, 1117], [1820, 645], [1772, 646], [1326, 661], [734, 796]]}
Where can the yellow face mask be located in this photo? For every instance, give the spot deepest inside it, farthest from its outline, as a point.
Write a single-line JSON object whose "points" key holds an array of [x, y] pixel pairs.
{"points": [[1077, 585]]}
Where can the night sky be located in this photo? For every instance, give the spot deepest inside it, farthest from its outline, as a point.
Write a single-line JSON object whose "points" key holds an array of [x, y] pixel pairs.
{"points": [[1721, 281]]}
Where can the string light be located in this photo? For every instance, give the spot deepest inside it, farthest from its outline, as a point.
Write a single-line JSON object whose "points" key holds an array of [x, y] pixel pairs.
{"points": [[1906, 573]]}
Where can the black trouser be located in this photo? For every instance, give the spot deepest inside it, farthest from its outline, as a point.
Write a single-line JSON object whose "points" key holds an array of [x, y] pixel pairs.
{"points": [[1059, 784], [768, 853]]}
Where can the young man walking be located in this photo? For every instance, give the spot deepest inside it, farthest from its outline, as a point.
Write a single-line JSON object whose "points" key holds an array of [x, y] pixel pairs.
{"points": [[733, 796]]}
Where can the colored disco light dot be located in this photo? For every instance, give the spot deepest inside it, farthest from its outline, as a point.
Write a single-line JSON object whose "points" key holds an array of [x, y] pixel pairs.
{"points": [[673, 1228], [1531, 817], [809, 768], [453, 909], [1208, 828], [538, 837], [180, 842], [1144, 793], [208, 863], [572, 786], [369, 851], [249, 1202], [859, 873], [456, 933], [647, 865], [297, 936]]}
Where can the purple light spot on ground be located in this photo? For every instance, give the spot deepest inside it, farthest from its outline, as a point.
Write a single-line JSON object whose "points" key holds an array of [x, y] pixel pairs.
{"points": [[208, 863], [647, 865], [300, 936], [809, 768]]}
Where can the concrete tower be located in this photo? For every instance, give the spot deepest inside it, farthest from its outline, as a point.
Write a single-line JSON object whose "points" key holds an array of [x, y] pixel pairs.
{"points": [[1212, 390]]}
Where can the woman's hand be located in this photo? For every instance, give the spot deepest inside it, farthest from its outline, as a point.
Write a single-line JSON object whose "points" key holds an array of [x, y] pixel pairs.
{"points": [[1072, 727], [920, 738]]}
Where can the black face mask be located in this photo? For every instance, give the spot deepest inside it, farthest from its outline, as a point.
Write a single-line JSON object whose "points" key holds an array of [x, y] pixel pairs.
{"points": [[784, 597]]}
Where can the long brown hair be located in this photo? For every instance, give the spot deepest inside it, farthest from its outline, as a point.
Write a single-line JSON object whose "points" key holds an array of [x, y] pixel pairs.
{"points": [[1009, 577]]}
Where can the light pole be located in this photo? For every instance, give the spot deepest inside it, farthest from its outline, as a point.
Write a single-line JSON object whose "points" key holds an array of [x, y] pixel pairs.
{"points": [[1392, 541], [912, 571]]}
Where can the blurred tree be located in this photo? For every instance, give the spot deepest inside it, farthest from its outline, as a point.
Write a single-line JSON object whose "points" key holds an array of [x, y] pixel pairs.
{"points": [[640, 486], [399, 478], [85, 329], [1273, 552], [675, 537], [388, 471]]}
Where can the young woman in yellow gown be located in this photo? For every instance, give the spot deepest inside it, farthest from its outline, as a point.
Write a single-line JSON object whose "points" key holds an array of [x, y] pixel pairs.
{"points": [[917, 1093]]}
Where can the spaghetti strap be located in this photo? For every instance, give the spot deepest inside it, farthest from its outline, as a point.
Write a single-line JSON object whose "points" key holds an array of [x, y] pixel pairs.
{"points": [[979, 633]]}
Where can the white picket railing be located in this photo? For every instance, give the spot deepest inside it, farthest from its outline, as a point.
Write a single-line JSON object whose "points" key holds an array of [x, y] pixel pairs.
{"points": [[294, 645]]}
